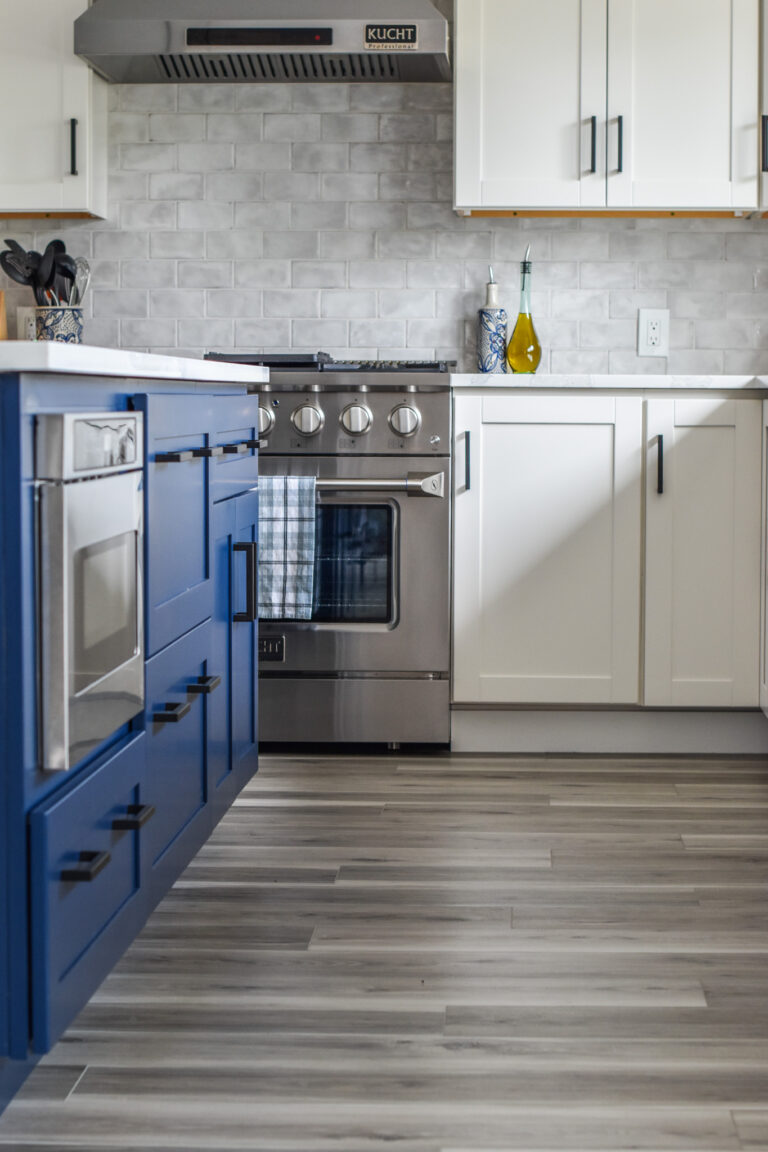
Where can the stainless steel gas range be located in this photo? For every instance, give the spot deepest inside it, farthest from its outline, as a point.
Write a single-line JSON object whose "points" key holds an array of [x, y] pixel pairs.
{"points": [[372, 663]]}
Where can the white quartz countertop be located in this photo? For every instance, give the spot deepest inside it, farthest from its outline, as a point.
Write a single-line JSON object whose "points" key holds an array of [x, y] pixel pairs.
{"points": [[84, 359], [639, 380]]}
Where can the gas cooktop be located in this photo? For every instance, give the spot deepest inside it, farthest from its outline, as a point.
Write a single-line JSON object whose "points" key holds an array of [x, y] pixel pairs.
{"points": [[323, 362]]}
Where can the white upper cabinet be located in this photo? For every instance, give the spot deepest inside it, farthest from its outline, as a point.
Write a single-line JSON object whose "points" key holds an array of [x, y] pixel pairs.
{"points": [[612, 104], [53, 132]]}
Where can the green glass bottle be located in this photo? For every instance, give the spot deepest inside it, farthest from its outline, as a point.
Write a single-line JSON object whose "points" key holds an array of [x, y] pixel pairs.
{"points": [[523, 349]]}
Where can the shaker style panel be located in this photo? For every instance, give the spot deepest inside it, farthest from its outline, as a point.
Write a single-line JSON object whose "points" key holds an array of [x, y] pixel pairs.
{"points": [[547, 549], [702, 567], [233, 708], [631, 105], [682, 104], [525, 102], [177, 522], [87, 900], [53, 138], [177, 755]]}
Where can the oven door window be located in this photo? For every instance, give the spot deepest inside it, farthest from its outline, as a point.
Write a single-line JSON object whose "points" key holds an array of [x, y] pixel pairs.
{"points": [[354, 564], [105, 608]]}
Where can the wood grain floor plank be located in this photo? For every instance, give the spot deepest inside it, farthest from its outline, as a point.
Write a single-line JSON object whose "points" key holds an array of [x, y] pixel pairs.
{"points": [[440, 953]]}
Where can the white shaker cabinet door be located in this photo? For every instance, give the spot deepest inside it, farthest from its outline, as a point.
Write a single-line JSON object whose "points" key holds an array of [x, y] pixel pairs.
{"points": [[529, 78], [682, 104], [47, 164], [702, 593], [547, 549]]}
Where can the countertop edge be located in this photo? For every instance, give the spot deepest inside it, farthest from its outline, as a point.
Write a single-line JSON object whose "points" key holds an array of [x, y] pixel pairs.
{"points": [[91, 360], [618, 382]]}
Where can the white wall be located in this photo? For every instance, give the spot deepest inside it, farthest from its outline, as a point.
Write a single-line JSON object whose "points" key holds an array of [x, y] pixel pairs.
{"points": [[319, 216]]}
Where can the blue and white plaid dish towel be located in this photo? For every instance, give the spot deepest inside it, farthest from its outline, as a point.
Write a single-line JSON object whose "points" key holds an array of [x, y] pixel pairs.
{"points": [[286, 547]]}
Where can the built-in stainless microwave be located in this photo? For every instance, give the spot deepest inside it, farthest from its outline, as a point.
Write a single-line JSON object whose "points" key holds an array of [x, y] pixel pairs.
{"points": [[88, 468]]}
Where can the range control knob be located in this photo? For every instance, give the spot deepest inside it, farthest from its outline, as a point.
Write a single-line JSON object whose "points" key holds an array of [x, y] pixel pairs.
{"points": [[307, 419], [404, 420], [356, 419], [266, 421]]}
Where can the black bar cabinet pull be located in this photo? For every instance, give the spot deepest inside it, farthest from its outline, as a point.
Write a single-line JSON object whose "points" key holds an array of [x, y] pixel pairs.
{"points": [[660, 466], [136, 816], [88, 868], [174, 457], [73, 147], [236, 449], [467, 464], [254, 443], [171, 713], [204, 685], [620, 167], [208, 451], [764, 143], [593, 151], [251, 613]]}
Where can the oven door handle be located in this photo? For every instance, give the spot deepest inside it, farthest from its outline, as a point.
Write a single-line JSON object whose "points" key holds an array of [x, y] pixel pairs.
{"points": [[414, 484]]}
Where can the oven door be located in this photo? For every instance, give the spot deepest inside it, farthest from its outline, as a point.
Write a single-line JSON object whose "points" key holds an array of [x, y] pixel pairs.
{"points": [[382, 554], [91, 618]]}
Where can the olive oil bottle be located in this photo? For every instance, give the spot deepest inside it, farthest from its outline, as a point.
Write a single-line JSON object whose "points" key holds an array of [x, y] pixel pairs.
{"points": [[523, 349]]}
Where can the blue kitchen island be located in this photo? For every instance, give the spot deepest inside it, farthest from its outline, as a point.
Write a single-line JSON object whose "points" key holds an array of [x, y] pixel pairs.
{"points": [[88, 852]]}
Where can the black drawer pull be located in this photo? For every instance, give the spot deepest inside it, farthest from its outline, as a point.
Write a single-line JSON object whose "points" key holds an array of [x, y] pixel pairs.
{"points": [[593, 145], [172, 714], [136, 816], [251, 613], [91, 863], [73, 147], [208, 451], [236, 449], [203, 685], [254, 443], [660, 466], [173, 457], [764, 144]]}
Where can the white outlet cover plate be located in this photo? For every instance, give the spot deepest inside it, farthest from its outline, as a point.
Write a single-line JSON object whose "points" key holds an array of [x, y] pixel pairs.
{"points": [[647, 320]]}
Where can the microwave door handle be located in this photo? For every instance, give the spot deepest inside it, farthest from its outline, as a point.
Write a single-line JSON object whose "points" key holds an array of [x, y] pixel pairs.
{"points": [[414, 484]]}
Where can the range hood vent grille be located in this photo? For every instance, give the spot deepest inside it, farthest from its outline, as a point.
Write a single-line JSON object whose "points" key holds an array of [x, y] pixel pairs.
{"points": [[300, 67]]}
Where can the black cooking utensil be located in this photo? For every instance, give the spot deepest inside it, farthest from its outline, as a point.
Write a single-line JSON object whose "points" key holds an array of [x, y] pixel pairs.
{"points": [[15, 267], [45, 270], [16, 247]]}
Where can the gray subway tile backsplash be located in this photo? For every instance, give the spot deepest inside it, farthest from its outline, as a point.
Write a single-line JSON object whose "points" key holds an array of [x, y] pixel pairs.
{"points": [[305, 216]]}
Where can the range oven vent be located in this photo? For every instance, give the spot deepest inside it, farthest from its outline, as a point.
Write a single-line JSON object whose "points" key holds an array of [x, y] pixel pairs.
{"points": [[262, 68]]}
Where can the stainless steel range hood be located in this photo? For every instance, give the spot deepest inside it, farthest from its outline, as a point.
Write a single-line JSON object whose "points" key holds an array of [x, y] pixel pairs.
{"points": [[264, 41]]}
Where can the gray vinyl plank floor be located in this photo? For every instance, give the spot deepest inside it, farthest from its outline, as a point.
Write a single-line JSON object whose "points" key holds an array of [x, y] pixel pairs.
{"points": [[440, 954]]}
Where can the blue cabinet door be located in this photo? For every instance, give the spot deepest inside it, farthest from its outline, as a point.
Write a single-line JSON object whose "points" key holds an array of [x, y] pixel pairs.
{"points": [[177, 784], [87, 898], [232, 731]]}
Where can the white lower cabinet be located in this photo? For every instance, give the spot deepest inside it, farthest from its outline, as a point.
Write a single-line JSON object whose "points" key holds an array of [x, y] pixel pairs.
{"points": [[547, 549], [566, 591], [702, 567]]}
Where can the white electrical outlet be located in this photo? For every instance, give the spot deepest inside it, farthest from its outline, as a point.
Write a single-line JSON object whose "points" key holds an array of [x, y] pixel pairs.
{"points": [[25, 323], [653, 332]]}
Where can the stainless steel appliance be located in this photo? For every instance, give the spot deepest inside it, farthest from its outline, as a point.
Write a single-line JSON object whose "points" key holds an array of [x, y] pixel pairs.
{"points": [[264, 41], [88, 468], [373, 662]]}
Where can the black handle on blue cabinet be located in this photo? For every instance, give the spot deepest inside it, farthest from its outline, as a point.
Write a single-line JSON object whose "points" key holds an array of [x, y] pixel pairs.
{"points": [[593, 147], [620, 121], [660, 466], [237, 449], [764, 143], [467, 464], [217, 451], [204, 685], [174, 457], [251, 613], [171, 713], [136, 816], [88, 868], [73, 147]]}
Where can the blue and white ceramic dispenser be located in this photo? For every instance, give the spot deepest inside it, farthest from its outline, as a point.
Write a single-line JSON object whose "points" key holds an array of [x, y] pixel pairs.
{"points": [[492, 331]]}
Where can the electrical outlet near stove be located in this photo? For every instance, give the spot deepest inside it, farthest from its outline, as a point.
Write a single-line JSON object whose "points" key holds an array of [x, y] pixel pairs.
{"points": [[653, 332]]}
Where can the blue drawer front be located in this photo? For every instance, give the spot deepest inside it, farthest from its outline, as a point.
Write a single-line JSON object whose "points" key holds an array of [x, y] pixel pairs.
{"points": [[177, 756], [81, 927]]}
